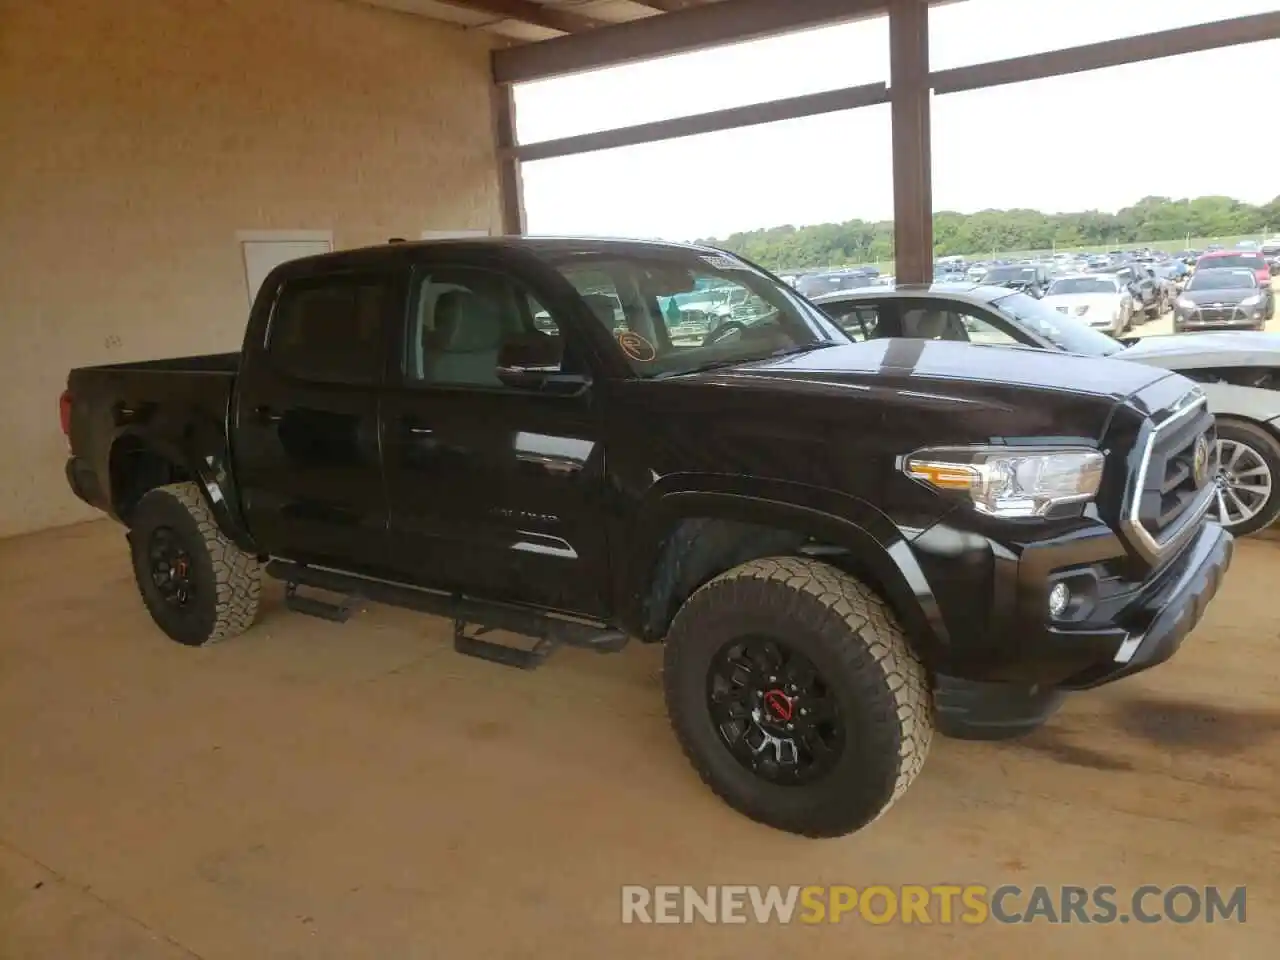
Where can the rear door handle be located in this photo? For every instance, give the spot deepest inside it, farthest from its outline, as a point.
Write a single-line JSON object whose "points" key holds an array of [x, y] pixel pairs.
{"points": [[266, 415], [415, 428]]}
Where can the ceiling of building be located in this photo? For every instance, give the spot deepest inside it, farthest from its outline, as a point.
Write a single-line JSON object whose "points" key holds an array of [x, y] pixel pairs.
{"points": [[526, 21]]}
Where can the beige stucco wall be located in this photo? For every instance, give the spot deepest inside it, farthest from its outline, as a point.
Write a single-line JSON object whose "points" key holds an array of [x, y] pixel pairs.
{"points": [[138, 136]]}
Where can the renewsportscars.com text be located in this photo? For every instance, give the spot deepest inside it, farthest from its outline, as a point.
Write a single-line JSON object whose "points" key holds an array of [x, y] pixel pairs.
{"points": [[970, 904]]}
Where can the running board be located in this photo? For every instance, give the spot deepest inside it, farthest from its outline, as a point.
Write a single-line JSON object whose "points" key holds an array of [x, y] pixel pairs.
{"points": [[548, 632], [315, 607]]}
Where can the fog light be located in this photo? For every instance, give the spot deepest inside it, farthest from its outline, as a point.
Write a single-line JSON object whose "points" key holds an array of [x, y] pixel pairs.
{"points": [[1059, 597]]}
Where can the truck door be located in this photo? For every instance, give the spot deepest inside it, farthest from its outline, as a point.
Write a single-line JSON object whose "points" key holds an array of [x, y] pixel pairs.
{"points": [[493, 490], [306, 429]]}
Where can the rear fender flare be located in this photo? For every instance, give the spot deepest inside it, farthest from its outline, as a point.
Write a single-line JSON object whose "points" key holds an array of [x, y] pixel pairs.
{"points": [[210, 472]]}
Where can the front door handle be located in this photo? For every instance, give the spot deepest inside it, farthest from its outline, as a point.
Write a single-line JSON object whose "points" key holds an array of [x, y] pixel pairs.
{"points": [[265, 414], [415, 429]]}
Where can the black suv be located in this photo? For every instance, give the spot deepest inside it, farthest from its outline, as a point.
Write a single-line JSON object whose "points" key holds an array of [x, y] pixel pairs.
{"points": [[843, 545]]}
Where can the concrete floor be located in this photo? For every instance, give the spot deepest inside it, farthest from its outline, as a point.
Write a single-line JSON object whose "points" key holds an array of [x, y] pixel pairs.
{"points": [[316, 790]]}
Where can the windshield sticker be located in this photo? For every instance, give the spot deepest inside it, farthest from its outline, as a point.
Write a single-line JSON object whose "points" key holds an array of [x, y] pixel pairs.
{"points": [[636, 347], [725, 263]]}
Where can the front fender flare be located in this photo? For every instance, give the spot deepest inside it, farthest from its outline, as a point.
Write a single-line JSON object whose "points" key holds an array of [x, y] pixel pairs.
{"points": [[823, 516]]}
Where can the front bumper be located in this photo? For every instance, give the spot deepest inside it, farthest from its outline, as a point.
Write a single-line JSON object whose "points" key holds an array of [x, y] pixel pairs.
{"points": [[1220, 318], [1165, 613], [1148, 631]]}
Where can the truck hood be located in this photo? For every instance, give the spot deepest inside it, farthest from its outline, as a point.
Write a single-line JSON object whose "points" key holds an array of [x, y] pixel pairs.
{"points": [[946, 360], [925, 389], [1226, 348]]}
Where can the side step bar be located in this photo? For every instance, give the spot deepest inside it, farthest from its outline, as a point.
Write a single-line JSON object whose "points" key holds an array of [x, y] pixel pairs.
{"points": [[549, 632]]}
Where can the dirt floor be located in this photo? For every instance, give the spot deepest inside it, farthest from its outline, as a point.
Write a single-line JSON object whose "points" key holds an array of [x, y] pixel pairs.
{"points": [[360, 790]]}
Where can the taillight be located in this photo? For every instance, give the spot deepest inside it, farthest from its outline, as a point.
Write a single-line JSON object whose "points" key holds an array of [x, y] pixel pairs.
{"points": [[64, 412]]}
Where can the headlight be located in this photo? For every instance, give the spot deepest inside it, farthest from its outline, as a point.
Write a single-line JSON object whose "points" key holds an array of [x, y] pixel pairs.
{"points": [[1251, 301], [1005, 482], [1185, 304], [1081, 311]]}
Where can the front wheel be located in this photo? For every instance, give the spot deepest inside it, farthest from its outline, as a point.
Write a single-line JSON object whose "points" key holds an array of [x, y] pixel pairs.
{"points": [[1249, 465], [198, 586], [795, 696]]}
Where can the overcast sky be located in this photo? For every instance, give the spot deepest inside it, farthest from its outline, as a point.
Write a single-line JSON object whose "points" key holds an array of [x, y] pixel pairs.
{"points": [[1204, 124]]}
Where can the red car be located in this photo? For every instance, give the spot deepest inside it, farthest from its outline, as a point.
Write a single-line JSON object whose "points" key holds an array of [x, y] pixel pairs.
{"points": [[1246, 259]]}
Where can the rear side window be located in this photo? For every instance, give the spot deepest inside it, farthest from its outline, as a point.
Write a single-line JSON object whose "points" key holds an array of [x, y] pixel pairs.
{"points": [[330, 330]]}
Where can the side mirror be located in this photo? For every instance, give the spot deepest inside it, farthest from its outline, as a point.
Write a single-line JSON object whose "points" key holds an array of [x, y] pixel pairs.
{"points": [[531, 362]]}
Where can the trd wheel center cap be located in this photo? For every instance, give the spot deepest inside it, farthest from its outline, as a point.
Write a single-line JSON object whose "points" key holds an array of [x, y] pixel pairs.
{"points": [[780, 707]]}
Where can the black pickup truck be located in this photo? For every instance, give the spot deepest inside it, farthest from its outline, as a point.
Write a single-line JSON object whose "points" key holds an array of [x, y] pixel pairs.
{"points": [[844, 545]]}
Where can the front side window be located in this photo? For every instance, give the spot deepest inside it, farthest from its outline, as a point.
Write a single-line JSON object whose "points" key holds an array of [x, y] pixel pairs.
{"points": [[330, 330], [676, 314], [462, 319]]}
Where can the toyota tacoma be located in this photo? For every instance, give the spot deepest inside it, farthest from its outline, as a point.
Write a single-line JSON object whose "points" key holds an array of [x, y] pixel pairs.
{"points": [[844, 545]]}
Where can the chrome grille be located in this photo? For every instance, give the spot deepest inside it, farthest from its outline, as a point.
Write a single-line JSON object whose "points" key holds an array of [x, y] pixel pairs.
{"points": [[1168, 493]]}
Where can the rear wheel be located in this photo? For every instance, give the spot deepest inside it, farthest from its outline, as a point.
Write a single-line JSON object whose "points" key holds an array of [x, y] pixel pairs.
{"points": [[1249, 470], [198, 586], [795, 696]]}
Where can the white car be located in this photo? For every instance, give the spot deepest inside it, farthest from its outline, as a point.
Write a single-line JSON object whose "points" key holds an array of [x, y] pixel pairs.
{"points": [[1099, 300], [1238, 371]]}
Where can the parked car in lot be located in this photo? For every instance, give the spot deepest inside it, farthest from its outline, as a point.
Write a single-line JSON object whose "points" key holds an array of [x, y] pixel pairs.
{"points": [[1247, 260], [1147, 291], [1102, 302], [1238, 372], [1216, 299], [1173, 275], [842, 544], [1032, 279], [816, 284]]}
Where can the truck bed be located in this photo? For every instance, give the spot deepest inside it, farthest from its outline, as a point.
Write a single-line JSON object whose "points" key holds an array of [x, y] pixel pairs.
{"points": [[181, 402]]}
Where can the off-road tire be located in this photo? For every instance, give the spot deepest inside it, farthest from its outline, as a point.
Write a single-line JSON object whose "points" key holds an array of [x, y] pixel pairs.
{"points": [[853, 639], [1265, 444], [228, 581]]}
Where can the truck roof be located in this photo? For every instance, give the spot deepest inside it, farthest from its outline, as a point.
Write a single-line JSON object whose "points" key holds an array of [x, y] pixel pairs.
{"points": [[545, 246]]}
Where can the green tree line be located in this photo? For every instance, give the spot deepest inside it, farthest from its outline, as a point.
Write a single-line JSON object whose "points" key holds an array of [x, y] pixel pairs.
{"points": [[1150, 220]]}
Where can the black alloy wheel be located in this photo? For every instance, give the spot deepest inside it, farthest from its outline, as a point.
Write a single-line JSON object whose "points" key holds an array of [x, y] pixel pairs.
{"points": [[773, 711], [171, 567]]}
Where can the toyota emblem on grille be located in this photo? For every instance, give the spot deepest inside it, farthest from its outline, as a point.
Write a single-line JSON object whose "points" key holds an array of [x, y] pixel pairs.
{"points": [[1200, 462]]}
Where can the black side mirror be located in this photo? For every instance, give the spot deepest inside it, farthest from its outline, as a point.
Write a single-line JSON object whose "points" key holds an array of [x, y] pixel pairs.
{"points": [[532, 362]]}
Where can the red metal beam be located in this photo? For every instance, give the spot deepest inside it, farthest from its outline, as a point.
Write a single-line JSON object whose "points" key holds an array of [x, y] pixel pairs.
{"points": [[731, 118], [695, 28], [671, 6], [526, 11], [510, 181], [1110, 53], [912, 148]]}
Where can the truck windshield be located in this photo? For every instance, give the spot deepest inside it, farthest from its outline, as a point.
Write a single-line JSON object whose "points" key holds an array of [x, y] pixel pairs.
{"points": [[672, 315], [1059, 329]]}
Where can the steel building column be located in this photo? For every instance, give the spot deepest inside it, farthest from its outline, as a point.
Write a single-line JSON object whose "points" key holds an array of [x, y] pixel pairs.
{"points": [[912, 149], [510, 180]]}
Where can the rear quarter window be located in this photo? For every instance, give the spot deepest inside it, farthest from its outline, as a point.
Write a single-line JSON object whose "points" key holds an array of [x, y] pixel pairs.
{"points": [[330, 330]]}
